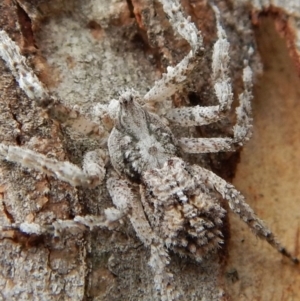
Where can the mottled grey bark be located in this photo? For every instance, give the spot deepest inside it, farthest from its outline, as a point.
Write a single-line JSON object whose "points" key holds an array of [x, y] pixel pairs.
{"points": [[86, 52]]}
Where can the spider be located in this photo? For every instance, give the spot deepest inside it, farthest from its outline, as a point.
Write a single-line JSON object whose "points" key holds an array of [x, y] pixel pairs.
{"points": [[170, 203]]}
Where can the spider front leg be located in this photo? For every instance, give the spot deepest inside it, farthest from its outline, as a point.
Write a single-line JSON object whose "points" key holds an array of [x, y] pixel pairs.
{"points": [[172, 81], [92, 174], [197, 115], [239, 206], [241, 131], [35, 90]]}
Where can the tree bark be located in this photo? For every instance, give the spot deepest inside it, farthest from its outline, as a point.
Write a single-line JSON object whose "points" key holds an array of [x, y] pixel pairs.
{"points": [[85, 52]]}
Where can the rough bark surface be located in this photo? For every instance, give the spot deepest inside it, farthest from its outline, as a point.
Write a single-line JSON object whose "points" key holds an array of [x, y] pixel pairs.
{"points": [[86, 52], [268, 175]]}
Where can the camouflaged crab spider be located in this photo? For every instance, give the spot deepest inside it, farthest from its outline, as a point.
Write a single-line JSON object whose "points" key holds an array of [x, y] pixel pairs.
{"points": [[168, 201]]}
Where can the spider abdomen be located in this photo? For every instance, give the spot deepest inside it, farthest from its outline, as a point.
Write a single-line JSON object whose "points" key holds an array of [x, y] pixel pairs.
{"points": [[184, 216]]}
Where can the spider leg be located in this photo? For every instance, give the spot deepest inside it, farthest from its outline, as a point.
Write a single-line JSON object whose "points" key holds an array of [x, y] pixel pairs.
{"points": [[241, 130], [127, 201], [121, 196], [172, 81], [238, 205], [28, 81], [35, 90], [109, 219], [197, 115], [159, 259], [92, 174]]}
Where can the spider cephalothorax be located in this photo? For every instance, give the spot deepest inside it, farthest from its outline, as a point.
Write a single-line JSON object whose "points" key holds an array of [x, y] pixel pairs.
{"points": [[139, 141]]}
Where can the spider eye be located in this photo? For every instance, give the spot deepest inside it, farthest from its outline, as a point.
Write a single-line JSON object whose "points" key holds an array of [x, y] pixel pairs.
{"points": [[127, 100]]}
